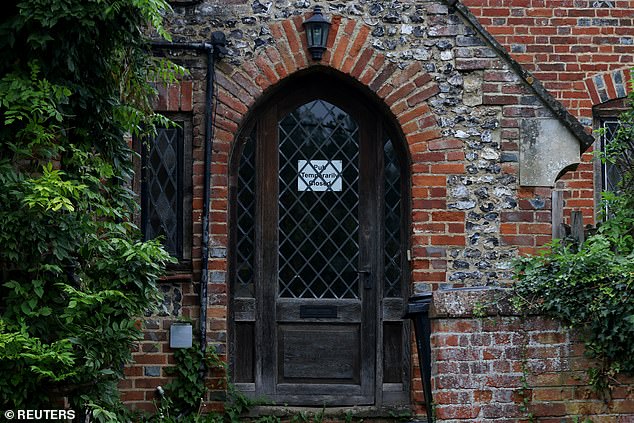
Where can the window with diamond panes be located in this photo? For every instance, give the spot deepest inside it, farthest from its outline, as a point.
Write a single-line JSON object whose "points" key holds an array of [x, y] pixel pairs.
{"points": [[318, 222], [245, 239], [610, 175], [162, 189], [392, 204]]}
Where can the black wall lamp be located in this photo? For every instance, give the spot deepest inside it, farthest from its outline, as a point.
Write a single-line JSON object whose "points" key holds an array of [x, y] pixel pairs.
{"points": [[316, 28]]}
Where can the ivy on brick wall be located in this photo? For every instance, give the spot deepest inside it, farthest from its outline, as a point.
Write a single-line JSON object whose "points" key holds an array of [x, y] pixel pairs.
{"points": [[74, 80], [590, 287]]}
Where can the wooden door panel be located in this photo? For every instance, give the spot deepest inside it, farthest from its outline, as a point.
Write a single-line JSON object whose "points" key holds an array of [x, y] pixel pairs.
{"points": [[245, 355], [319, 353]]}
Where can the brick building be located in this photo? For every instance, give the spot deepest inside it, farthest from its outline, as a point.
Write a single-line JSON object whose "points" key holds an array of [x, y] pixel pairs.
{"points": [[419, 155]]}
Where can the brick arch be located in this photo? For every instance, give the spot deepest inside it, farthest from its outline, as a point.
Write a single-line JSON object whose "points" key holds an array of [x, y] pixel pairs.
{"points": [[404, 94], [607, 86], [404, 91]]}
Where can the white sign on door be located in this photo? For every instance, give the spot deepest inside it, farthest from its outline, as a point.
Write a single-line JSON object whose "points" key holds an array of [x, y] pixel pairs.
{"points": [[319, 175]]}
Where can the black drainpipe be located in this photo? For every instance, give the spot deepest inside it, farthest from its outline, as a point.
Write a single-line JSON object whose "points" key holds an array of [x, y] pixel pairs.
{"points": [[185, 3], [418, 310], [214, 50]]}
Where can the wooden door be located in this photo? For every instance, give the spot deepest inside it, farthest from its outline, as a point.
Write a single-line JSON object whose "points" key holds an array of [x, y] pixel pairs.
{"points": [[308, 292], [321, 316]]}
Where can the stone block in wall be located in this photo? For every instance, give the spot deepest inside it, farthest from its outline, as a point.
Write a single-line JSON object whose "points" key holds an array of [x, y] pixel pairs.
{"points": [[472, 95], [547, 150], [172, 300], [472, 301]]}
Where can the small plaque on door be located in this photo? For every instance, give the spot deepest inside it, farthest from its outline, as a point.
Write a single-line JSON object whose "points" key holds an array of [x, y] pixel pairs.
{"points": [[319, 175]]}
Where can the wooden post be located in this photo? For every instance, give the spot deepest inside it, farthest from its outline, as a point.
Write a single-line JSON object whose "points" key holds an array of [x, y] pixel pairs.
{"points": [[557, 220], [576, 226]]}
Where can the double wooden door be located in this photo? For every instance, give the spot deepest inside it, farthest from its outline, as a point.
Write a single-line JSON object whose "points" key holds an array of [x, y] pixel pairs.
{"points": [[310, 263]]}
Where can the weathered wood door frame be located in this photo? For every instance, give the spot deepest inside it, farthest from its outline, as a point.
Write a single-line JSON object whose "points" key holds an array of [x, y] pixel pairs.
{"points": [[264, 128]]}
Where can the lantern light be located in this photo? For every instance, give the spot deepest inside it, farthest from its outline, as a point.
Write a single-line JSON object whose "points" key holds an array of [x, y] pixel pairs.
{"points": [[316, 28]]}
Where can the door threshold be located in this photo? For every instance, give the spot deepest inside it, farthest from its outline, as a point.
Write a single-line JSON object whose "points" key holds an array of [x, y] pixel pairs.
{"points": [[391, 413]]}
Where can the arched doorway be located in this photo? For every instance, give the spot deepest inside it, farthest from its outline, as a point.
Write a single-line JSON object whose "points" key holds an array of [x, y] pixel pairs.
{"points": [[319, 250]]}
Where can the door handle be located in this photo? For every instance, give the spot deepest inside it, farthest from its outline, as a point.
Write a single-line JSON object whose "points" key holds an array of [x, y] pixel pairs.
{"points": [[364, 273]]}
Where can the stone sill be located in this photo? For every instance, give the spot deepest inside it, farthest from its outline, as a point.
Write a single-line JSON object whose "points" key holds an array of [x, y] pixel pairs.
{"points": [[472, 302]]}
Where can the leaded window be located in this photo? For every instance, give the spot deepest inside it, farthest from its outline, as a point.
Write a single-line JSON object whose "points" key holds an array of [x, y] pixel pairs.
{"points": [[318, 202], [393, 250], [166, 189], [245, 221], [610, 175]]}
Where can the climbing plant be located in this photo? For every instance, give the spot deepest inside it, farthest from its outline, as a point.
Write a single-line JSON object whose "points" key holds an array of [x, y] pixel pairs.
{"points": [[589, 287], [75, 79], [182, 399]]}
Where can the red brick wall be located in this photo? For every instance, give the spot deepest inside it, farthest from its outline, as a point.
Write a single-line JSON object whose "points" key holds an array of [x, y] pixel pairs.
{"points": [[437, 161], [180, 288], [505, 368], [564, 43], [582, 53]]}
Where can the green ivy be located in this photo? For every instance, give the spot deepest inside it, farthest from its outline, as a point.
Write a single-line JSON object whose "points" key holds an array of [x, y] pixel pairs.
{"points": [[187, 389], [590, 287], [76, 79], [182, 398]]}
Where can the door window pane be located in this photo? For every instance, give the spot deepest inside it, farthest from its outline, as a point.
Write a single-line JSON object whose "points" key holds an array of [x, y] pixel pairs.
{"points": [[318, 203], [392, 204], [245, 239]]}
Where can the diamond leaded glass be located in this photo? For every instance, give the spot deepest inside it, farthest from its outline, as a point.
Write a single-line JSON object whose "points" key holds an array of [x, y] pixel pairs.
{"points": [[162, 189], [392, 251], [245, 239], [609, 172], [318, 203]]}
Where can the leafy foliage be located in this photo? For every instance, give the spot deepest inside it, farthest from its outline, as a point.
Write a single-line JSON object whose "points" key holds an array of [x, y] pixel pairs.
{"points": [[181, 400], [590, 287], [186, 390], [74, 80]]}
